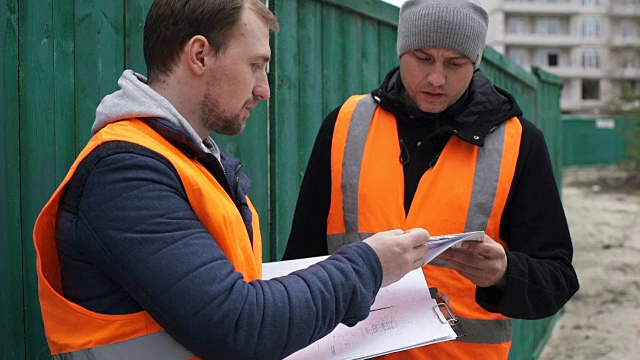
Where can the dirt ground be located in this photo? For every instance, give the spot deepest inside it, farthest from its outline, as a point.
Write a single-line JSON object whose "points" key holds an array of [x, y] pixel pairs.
{"points": [[602, 321]]}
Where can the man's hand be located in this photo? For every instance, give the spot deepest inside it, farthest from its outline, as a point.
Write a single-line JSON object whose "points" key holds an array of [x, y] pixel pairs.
{"points": [[399, 252], [483, 263], [442, 298]]}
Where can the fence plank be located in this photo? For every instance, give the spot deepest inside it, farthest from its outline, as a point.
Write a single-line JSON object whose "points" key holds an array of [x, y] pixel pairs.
{"points": [[99, 57], [388, 54], [311, 84], [370, 55], [37, 149], [64, 86], [284, 128], [135, 14], [11, 297]]}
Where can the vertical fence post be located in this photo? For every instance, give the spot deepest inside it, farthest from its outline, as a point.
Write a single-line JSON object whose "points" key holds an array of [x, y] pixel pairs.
{"points": [[12, 342]]}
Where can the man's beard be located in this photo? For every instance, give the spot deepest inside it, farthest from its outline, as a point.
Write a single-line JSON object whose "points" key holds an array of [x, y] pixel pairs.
{"points": [[218, 121]]}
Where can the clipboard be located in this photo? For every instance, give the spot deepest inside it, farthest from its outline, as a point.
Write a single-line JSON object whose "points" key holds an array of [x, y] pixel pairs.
{"points": [[448, 315], [403, 316]]}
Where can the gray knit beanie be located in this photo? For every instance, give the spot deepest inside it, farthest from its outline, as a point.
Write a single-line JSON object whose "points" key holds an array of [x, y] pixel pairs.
{"points": [[459, 25]]}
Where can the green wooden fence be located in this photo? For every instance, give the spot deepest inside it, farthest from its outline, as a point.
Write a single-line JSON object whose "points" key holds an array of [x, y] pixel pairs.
{"points": [[61, 57]]}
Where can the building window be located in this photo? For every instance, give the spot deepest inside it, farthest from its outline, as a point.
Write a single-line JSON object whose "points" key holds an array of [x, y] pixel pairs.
{"points": [[548, 26], [629, 59], [552, 59], [516, 25], [590, 2], [590, 89], [631, 89], [628, 29], [591, 28], [590, 58], [519, 56], [549, 57]]}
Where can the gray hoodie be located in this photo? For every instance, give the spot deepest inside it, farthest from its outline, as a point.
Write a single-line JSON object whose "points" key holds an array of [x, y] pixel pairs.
{"points": [[136, 99]]}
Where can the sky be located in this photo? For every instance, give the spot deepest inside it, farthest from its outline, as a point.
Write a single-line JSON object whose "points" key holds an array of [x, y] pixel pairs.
{"points": [[394, 2]]}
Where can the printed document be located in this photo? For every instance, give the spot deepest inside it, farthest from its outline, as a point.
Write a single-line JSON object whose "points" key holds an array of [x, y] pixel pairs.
{"points": [[403, 316]]}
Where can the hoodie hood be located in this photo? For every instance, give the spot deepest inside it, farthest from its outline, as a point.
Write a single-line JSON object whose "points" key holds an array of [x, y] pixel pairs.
{"points": [[478, 111], [136, 99]]}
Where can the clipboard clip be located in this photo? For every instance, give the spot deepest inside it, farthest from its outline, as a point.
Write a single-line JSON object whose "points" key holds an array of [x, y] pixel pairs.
{"points": [[447, 314]]}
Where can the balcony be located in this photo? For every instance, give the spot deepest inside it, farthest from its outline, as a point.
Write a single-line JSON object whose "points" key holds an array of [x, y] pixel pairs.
{"points": [[631, 73], [541, 8], [571, 105], [621, 10], [578, 105], [542, 40], [624, 41], [576, 72]]}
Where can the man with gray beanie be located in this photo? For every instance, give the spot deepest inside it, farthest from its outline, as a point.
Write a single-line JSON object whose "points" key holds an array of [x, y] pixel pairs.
{"points": [[439, 146]]}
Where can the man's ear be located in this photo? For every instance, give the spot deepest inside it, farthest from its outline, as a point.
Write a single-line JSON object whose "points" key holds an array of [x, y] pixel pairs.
{"points": [[196, 52]]}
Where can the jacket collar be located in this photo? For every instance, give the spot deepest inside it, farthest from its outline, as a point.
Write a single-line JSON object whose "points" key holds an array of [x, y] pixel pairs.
{"points": [[477, 113], [229, 165]]}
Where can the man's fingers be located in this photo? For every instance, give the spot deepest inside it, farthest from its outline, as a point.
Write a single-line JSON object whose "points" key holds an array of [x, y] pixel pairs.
{"points": [[442, 298], [392, 232], [488, 248], [418, 236], [418, 263], [420, 251], [399, 252], [418, 232], [461, 256]]}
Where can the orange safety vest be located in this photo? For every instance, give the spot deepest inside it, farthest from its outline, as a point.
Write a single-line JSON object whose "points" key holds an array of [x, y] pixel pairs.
{"points": [[75, 332], [465, 191]]}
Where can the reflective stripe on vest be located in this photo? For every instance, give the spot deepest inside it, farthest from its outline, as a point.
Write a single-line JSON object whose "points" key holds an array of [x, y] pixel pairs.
{"points": [[487, 331], [367, 197], [156, 346], [352, 163]]}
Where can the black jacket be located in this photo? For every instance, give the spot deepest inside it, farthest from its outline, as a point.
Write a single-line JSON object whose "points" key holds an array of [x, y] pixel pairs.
{"points": [[540, 276]]}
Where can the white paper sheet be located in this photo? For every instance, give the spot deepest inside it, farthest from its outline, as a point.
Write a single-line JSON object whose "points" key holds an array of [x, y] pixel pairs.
{"points": [[438, 244]]}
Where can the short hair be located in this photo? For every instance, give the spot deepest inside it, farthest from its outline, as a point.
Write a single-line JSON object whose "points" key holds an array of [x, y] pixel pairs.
{"points": [[170, 24]]}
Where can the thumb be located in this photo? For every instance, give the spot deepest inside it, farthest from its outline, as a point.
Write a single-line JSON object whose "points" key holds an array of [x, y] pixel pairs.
{"points": [[418, 235]]}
